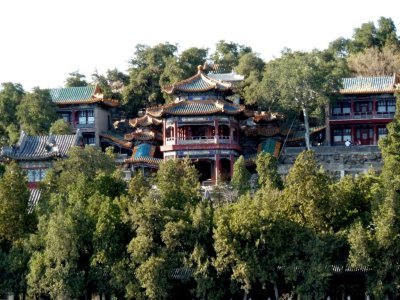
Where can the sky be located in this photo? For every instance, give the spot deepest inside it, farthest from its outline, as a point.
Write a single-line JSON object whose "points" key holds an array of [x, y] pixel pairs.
{"points": [[42, 41]]}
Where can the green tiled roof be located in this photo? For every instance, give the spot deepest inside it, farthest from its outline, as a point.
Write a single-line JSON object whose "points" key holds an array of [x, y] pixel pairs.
{"points": [[197, 83], [196, 107], [359, 85], [72, 94]]}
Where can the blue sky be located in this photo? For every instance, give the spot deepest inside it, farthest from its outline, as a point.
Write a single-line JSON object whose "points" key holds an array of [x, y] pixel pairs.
{"points": [[44, 40]]}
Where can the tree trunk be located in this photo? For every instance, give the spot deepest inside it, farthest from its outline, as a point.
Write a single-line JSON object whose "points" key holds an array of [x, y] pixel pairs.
{"points": [[276, 291], [306, 127], [245, 295]]}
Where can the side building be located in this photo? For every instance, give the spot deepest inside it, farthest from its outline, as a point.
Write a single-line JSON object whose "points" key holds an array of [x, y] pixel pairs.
{"points": [[36, 155], [360, 115], [86, 109]]}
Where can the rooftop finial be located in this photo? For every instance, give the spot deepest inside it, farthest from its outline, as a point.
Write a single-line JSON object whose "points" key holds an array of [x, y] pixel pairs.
{"points": [[200, 69]]}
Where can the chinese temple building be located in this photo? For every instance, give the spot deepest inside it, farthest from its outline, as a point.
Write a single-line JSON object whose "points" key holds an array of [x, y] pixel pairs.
{"points": [[201, 123], [36, 154], [366, 105], [86, 109]]}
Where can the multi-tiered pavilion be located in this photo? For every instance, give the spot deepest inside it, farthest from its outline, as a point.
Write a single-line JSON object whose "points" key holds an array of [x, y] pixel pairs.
{"points": [[201, 123]]}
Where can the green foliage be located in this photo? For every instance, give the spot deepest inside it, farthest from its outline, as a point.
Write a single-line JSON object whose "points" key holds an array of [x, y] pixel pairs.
{"points": [[177, 184], [300, 81], [112, 83], [14, 219], [241, 177], [267, 170], [80, 246], [75, 79], [306, 196], [36, 112], [147, 66], [60, 127], [10, 97], [227, 55]]}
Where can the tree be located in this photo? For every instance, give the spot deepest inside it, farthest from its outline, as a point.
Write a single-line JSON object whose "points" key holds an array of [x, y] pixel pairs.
{"points": [[60, 127], [75, 79], [157, 219], [36, 112], [80, 244], [301, 81], [306, 198], [147, 66], [10, 97], [112, 84], [241, 177], [15, 222], [375, 61], [267, 170], [251, 66], [227, 55], [15, 226], [183, 66]]}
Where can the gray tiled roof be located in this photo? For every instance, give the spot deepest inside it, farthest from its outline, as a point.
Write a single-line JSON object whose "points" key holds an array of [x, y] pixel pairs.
{"points": [[33, 199], [360, 85], [41, 147]]}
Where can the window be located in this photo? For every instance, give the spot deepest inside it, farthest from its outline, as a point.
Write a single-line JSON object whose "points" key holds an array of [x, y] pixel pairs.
{"points": [[36, 175], [341, 135], [363, 107], [382, 132], [66, 116], [386, 106], [341, 108], [86, 117], [89, 140]]}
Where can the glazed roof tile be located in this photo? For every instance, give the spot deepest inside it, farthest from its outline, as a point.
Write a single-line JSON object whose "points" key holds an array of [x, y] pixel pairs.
{"points": [[197, 83], [42, 147], [79, 95], [196, 107], [144, 121], [145, 134], [361, 85], [144, 153], [119, 140]]}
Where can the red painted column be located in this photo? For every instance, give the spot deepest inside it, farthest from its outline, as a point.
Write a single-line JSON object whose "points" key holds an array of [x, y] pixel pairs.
{"points": [[375, 134], [353, 135], [175, 132], [374, 107]]}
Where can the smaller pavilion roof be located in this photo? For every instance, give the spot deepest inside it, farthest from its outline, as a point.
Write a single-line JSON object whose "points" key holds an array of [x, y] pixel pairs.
{"points": [[117, 139], [144, 121], [197, 83], [370, 85], [80, 95], [144, 134], [144, 154], [41, 147], [196, 107]]}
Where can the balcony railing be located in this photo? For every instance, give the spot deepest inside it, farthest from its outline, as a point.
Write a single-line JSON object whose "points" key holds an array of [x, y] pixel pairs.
{"points": [[198, 140], [84, 125], [364, 116]]}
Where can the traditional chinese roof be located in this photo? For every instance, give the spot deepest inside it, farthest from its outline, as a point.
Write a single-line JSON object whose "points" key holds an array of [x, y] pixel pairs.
{"points": [[197, 83], [196, 107], [299, 135], [80, 95], [41, 147], [144, 134], [144, 153], [117, 139], [370, 85], [144, 121], [226, 77]]}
